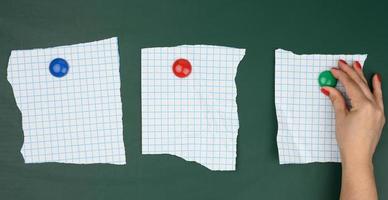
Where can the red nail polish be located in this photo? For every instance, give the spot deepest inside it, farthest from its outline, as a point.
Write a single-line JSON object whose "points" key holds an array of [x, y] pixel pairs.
{"points": [[343, 62], [357, 64], [325, 92], [379, 77]]}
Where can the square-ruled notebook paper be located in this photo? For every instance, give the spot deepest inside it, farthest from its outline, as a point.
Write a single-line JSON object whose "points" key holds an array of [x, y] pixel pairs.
{"points": [[76, 118], [195, 117], [306, 120]]}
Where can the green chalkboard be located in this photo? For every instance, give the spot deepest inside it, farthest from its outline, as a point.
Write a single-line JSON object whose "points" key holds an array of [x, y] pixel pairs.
{"points": [[324, 26]]}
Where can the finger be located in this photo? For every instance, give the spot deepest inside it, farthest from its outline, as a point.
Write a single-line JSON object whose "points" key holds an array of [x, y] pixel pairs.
{"points": [[358, 68], [352, 89], [355, 77], [377, 91], [337, 100]]}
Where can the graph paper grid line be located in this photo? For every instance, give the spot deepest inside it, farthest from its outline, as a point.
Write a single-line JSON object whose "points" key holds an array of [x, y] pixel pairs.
{"points": [[195, 117], [306, 120], [74, 119]]}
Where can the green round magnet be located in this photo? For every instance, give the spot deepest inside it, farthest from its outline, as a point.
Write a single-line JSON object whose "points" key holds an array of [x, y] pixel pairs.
{"points": [[326, 78]]}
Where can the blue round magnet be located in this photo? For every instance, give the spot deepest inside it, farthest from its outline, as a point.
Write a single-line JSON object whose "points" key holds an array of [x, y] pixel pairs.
{"points": [[59, 67]]}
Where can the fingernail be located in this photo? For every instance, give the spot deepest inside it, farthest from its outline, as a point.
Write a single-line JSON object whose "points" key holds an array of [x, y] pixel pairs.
{"points": [[343, 62], [325, 92], [379, 77], [357, 64]]}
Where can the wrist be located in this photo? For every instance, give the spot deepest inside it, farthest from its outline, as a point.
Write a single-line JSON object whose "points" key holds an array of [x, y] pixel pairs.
{"points": [[357, 163], [356, 158]]}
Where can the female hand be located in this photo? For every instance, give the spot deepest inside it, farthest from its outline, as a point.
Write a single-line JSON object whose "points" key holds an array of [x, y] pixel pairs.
{"points": [[358, 128]]}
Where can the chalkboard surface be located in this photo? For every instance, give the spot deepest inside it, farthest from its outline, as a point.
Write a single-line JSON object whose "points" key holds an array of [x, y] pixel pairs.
{"points": [[258, 26]]}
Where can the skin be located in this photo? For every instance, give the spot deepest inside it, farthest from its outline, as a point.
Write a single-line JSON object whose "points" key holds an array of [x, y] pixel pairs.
{"points": [[358, 129]]}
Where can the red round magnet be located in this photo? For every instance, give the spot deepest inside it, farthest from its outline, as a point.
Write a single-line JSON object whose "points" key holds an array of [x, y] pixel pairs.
{"points": [[181, 68]]}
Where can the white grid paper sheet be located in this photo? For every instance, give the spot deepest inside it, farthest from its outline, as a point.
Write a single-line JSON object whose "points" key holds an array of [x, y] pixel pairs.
{"points": [[306, 119], [195, 117], [76, 118]]}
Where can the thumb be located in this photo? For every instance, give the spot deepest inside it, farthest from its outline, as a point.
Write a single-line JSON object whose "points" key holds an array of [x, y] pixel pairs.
{"points": [[337, 100]]}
